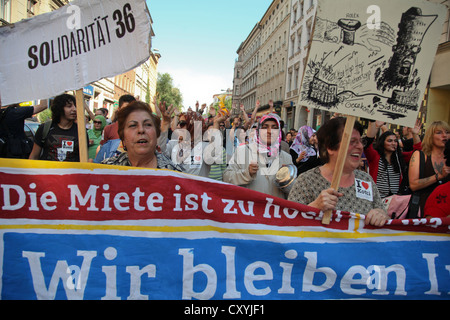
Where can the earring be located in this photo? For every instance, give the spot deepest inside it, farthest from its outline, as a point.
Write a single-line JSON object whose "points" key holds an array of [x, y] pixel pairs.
{"points": [[123, 146]]}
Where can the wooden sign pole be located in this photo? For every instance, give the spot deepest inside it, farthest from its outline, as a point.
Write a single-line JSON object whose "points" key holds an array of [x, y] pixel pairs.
{"points": [[345, 142], [342, 155], [81, 124]]}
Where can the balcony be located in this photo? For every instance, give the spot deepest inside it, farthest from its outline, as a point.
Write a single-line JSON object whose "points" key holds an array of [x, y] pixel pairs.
{"points": [[3, 22]]}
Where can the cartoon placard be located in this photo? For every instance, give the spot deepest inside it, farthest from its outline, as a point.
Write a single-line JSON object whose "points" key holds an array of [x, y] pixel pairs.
{"points": [[372, 61]]}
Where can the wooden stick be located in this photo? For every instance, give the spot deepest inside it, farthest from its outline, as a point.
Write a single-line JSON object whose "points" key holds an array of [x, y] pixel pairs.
{"points": [[81, 124], [342, 155], [311, 36]]}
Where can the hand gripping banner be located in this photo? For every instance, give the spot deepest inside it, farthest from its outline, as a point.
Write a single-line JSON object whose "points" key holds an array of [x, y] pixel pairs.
{"points": [[84, 231]]}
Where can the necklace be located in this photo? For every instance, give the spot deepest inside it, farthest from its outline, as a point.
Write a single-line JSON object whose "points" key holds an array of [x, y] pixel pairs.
{"points": [[347, 180]]}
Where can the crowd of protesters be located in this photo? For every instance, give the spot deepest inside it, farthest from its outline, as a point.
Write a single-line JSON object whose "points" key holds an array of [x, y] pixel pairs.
{"points": [[255, 152]]}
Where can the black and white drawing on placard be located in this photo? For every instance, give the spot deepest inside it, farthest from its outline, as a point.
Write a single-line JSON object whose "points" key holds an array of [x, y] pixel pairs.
{"points": [[372, 61]]}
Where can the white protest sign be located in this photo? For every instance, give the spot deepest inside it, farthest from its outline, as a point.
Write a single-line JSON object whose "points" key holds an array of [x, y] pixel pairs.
{"points": [[71, 47], [372, 61]]}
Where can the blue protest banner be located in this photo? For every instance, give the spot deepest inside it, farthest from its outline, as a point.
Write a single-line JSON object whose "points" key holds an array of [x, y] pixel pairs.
{"points": [[74, 238]]}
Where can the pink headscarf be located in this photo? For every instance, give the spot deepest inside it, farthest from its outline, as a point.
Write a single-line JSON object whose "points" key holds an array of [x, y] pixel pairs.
{"points": [[274, 148]]}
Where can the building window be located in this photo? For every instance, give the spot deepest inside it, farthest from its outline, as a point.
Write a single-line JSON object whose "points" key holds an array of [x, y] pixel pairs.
{"points": [[294, 16], [31, 7], [308, 32], [301, 8], [448, 25], [292, 44], [5, 10], [289, 84], [299, 35]]}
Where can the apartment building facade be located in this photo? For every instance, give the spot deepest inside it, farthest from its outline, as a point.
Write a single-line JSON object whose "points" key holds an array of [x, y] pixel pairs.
{"points": [[237, 78], [246, 71], [146, 76], [438, 97], [15, 10], [300, 29], [273, 53], [262, 66]]}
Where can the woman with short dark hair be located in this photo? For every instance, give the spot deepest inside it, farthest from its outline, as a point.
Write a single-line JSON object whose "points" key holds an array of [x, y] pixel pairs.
{"points": [[357, 192], [139, 129]]}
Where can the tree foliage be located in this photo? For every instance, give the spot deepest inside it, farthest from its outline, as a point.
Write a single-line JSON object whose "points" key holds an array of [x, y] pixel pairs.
{"points": [[44, 115], [166, 92]]}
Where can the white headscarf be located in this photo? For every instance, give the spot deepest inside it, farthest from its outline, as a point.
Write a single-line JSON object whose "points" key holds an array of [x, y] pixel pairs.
{"points": [[301, 142]]}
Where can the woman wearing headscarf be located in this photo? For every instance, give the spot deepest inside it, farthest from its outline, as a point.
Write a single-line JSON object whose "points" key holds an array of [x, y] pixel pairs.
{"points": [[95, 135], [255, 165], [304, 150]]}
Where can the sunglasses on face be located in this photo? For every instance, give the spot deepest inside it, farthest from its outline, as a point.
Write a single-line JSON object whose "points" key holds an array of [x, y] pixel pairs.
{"points": [[182, 123], [97, 122]]}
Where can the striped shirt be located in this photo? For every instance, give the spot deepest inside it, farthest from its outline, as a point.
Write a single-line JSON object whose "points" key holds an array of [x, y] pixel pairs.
{"points": [[388, 181], [217, 170]]}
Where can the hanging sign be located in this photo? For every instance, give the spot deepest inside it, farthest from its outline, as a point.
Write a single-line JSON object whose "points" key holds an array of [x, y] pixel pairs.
{"points": [[69, 48]]}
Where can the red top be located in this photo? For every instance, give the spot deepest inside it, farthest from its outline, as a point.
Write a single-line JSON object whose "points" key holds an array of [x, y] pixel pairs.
{"points": [[373, 158], [110, 132], [438, 203]]}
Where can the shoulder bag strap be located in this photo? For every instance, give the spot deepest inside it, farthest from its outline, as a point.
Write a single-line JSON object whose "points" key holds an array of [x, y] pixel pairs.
{"points": [[422, 165], [414, 203]]}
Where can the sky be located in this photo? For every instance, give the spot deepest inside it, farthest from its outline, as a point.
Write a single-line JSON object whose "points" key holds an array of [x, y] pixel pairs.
{"points": [[198, 40]]}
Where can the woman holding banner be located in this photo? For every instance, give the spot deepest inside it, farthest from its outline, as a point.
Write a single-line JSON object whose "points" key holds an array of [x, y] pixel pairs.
{"points": [[139, 129], [357, 192], [255, 165]]}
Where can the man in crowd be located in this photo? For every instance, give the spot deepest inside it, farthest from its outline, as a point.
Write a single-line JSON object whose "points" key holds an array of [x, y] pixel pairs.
{"points": [[110, 131], [12, 135], [58, 140]]}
